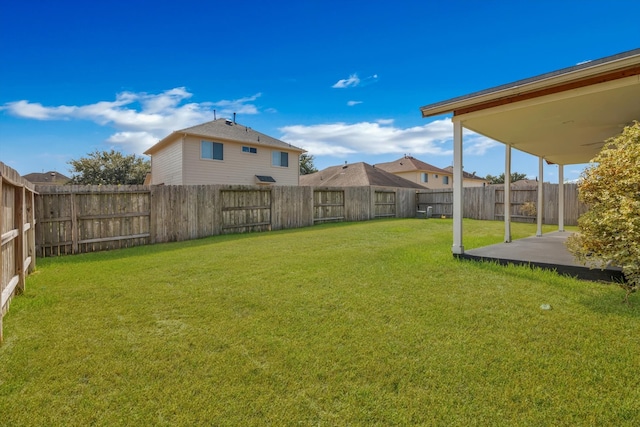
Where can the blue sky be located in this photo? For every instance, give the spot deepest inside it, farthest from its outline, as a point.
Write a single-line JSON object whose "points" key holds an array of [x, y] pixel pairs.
{"points": [[341, 79]]}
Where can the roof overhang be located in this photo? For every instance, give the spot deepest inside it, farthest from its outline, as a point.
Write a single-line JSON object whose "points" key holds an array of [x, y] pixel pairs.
{"points": [[564, 116]]}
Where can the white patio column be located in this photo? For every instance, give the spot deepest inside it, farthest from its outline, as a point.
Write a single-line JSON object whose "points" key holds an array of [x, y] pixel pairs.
{"points": [[539, 205], [560, 197], [457, 247], [507, 194]]}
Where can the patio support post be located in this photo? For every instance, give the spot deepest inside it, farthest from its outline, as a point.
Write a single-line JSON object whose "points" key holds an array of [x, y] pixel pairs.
{"points": [[507, 194], [457, 248], [539, 206], [560, 197]]}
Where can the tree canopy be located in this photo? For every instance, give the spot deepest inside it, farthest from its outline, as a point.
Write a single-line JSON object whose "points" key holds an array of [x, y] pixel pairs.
{"points": [[610, 186], [306, 164], [515, 176], [109, 168]]}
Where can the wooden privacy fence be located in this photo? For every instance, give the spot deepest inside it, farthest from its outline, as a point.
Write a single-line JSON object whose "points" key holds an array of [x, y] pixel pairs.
{"points": [[79, 219], [487, 203], [76, 219], [17, 231]]}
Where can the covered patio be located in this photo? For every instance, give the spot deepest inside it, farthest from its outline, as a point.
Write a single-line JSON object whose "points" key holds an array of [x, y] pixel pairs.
{"points": [[562, 117], [547, 251]]}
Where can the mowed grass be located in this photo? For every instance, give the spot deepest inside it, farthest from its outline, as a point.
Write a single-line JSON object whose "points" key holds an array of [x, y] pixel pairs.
{"points": [[371, 323]]}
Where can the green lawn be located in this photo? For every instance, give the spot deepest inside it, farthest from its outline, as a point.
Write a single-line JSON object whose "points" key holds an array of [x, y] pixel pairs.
{"points": [[370, 323]]}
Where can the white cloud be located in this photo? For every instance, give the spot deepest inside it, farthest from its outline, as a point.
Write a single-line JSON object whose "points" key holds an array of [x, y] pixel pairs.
{"points": [[136, 141], [385, 121], [352, 81], [338, 139], [240, 106], [140, 119], [352, 103], [37, 111], [477, 145], [369, 80]]}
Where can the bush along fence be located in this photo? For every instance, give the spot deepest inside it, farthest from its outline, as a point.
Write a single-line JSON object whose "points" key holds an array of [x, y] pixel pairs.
{"points": [[18, 237], [78, 219], [487, 203]]}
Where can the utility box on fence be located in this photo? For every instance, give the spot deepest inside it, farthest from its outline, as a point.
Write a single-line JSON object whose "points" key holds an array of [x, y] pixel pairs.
{"points": [[425, 213]]}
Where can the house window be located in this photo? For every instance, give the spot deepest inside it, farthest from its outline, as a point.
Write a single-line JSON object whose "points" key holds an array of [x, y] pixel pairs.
{"points": [[211, 150], [252, 150], [280, 158], [445, 180], [425, 177]]}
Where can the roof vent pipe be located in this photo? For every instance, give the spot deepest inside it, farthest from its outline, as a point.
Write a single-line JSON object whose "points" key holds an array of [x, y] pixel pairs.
{"points": [[234, 118]]}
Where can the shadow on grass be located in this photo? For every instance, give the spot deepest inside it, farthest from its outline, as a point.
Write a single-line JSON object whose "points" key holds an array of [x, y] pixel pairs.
{"points": [[612, 303], [147, 250]]}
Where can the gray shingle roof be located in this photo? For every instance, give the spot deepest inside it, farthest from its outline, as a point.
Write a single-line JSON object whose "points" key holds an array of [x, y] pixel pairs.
{"points": [[354, 175], [465, 175], [51, 178], [228, 130], [409, 164]]}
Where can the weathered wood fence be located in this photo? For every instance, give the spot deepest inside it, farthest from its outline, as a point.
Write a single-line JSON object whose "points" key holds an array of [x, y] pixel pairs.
{"points": [[18, 238], [487, 203], [79, 219]]}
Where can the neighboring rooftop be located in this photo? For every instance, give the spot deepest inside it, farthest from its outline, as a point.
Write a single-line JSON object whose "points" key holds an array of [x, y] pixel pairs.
{"points": [[354, 175], [228, 130], [465, 175], [409, 164], [47, 178]]}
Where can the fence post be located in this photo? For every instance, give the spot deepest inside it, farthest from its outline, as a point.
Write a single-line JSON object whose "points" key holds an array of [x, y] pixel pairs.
{"points": [[74, 223], [19, 241], [1, 260], [31, 243]]}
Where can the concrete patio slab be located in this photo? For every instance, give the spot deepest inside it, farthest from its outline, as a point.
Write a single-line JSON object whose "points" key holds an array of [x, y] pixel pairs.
{"points": [[547, 251]]}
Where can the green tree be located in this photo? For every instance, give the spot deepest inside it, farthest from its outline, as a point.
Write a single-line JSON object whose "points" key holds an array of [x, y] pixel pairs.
{"points": [[306, 164], [109, 167], [610, 229], [515, 176]]}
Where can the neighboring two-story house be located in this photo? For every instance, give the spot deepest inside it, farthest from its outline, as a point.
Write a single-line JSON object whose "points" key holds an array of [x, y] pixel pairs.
{"points": [[417, 171], [223, 152], [470, 179]]}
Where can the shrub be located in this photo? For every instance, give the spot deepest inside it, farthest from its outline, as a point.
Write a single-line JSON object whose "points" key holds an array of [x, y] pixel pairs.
{"points": [[610, 230], [528, 208]]}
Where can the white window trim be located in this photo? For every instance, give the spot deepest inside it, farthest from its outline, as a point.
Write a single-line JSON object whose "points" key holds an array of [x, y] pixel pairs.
{"points": [[250, 148], [209, 158], [280, 166]]}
